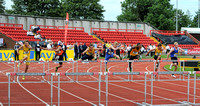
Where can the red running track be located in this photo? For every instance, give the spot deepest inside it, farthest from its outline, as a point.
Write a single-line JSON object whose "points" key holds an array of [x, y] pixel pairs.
{"points": [[72, 94]]}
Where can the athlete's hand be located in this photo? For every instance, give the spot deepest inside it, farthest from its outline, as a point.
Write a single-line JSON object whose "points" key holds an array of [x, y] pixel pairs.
{"points": [[146, 55], [167, 59]]}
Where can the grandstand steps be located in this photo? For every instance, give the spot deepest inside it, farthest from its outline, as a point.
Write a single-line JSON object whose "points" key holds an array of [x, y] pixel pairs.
{"points": [[94, 36], [155, 40]]}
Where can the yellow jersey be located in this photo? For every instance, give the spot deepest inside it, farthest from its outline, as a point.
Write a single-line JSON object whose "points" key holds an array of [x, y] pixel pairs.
{"points": [[26, 50], [90, 52], [158, 52], [135, 51]]}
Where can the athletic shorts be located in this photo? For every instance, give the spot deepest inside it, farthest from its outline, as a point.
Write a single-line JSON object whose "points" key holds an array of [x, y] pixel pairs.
{"points": [[156, 57], [174, 58], [133, 57], [60, 59], [109, 56], [87, 57], [28, 59]]}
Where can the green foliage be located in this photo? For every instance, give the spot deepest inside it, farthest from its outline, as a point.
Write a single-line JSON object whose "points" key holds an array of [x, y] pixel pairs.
{"points": [[2, 6], [83, 9], [195, 20], [79, 9], [184, 20], [159, 13], [37, 8]]}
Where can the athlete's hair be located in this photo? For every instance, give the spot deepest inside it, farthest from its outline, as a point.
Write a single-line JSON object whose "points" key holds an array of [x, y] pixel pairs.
{"points": [[159, 44], [91, 44], [116, 43], [55, 44], [26, 41], [175, 43], [137, 44]]}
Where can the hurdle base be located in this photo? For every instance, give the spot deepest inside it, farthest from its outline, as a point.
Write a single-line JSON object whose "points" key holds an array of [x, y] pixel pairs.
{"points": [[96, 105], [181, 104]]}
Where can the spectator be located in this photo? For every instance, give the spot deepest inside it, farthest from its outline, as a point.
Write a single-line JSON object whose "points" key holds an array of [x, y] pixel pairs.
{"points": [[16, 54], [44, 45], [38, 50], [49, 40], [129, 50], [38, 36], [167, 49], [84, 47], [149, 48], [29, 33], [80, 48], [95, 45], [49, 46], [35, 29], [60, 42], [64, 47], [76, 51]]}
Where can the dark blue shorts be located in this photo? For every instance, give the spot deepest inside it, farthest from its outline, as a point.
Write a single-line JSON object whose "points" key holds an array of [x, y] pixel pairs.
{"points": [[87, 57]]}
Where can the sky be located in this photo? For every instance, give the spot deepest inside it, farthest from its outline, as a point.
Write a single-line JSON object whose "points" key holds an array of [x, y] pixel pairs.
{"points": [[113, 7]]}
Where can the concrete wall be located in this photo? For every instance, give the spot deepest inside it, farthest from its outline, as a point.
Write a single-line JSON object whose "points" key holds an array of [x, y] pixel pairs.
{"points": [[87, 24]]}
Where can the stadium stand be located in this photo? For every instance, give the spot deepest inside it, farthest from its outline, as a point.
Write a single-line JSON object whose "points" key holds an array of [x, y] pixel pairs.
{"points": [[169, 37], [127, 36], [74, 34], [15, 32], [55, 33]]}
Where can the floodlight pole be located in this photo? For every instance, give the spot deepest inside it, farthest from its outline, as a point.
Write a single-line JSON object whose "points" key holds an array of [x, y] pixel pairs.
{"points": [[176, 15], [66, 27], [198, 13]]}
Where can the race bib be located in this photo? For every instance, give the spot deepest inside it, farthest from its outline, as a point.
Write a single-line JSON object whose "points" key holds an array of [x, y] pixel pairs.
{"points": [[176, 54], [26, 52]]}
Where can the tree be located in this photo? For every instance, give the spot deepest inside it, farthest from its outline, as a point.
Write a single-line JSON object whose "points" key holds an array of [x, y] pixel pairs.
{"points": [[2, 6], [195, 20], [82, 9], [36, 7], [134, 10], [159, 13], [184, 20]]}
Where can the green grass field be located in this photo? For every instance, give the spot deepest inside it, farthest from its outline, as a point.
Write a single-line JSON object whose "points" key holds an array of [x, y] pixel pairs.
{"points": [[186, 69]]}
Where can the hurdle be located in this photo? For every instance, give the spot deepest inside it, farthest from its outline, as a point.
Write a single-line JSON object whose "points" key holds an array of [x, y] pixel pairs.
{"points": [[99, 74], [168, 73], [127, 73], [29, 74]]}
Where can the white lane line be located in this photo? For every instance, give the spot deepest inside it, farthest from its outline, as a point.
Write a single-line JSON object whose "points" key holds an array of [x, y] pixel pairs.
{"points": [[1, 104], [70, 92], [31, 92]]}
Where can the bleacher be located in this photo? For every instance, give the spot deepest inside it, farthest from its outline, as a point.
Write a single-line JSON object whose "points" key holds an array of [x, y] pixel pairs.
{"points": [[74, 34], [15, 32], [185, 43], [127, 36], [55, 33]]}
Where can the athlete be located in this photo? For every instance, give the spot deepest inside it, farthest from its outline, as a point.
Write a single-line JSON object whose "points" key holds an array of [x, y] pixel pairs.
{"points": [[89, 53], [58, 54], [110, 52], [134, 54], [26, 55], [173, 54], [158, 52]]}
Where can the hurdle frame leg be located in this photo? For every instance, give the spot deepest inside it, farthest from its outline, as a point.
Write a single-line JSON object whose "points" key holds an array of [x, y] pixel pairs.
{"points": [[8, 74], [58, 74], [51, 89]]}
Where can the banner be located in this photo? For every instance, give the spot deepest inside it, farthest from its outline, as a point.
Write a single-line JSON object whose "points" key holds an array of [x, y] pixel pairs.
{"points": [[44, 54], [190, 64], [193, 51]]}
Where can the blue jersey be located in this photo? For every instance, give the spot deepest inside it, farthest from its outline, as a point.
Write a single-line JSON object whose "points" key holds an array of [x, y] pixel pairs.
{"points": [[174, 53], [109, 51]]}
